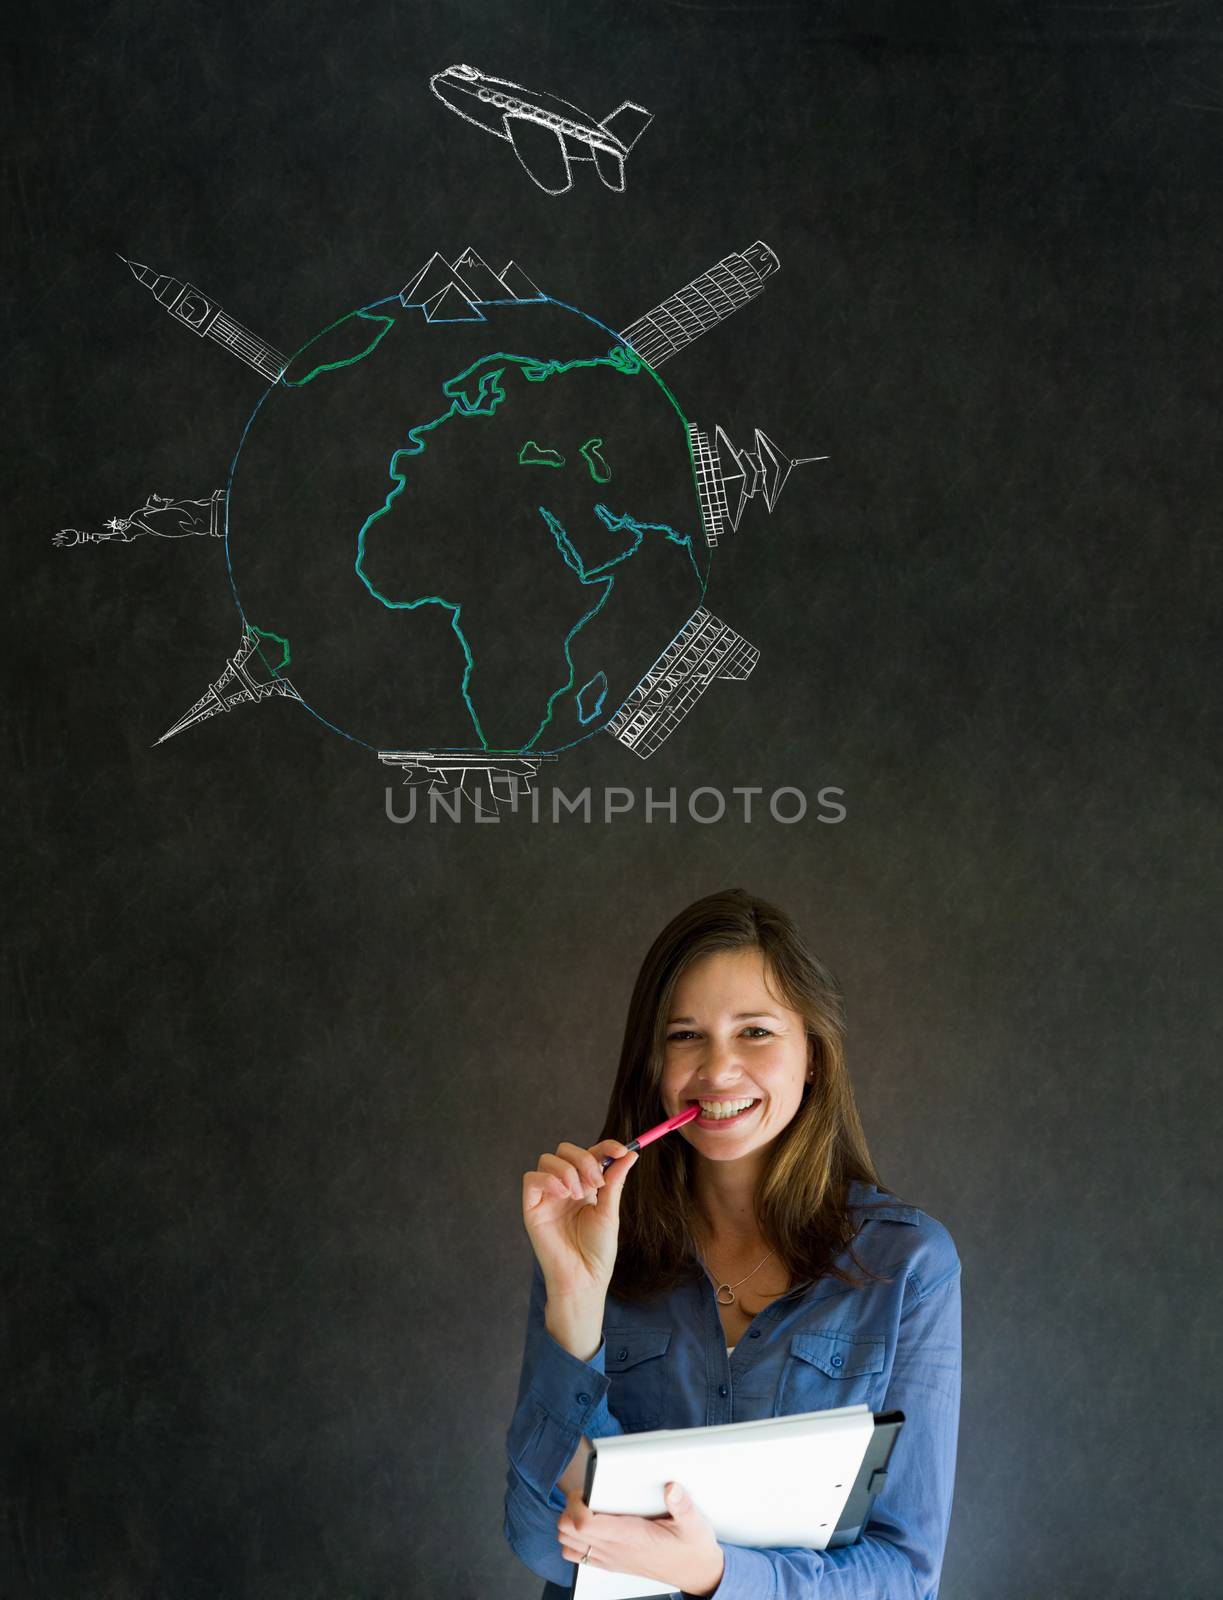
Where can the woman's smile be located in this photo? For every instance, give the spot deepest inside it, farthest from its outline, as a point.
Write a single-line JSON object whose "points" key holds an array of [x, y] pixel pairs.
{"points": [[720, 1111], [734, 1048]]}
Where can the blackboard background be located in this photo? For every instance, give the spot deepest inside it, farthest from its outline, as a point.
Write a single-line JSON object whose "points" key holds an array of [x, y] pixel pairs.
{"points": [[283, 1061]]}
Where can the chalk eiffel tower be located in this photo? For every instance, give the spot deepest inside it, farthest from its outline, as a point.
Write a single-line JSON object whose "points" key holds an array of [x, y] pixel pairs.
{"points": [[240, 684]]}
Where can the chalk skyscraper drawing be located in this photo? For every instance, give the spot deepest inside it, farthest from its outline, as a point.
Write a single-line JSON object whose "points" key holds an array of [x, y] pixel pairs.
{"points": [[701, 304], [705, 648], [197, 311]]}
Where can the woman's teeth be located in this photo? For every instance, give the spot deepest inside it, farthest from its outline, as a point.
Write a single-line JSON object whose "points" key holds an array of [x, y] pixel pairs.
{"points": [[718, 1110]]}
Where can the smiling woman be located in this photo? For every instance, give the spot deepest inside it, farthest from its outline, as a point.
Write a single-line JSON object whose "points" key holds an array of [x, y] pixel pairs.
{"points": [[753, 1267]]}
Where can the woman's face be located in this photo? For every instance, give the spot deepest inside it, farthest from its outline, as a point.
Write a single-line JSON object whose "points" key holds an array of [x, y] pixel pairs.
{"points": [[735, 1048]]}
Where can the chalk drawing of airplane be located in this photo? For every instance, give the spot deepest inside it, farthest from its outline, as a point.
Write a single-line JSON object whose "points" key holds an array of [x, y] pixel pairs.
{"points": [[547, 133]]}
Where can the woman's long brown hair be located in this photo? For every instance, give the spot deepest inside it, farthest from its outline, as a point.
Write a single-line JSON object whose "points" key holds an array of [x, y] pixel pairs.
{"points": [[801, 1205]]}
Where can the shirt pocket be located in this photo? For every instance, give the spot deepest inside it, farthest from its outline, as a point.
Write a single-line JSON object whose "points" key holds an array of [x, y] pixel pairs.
{"points": [[637, 1369], [827, 1368]]}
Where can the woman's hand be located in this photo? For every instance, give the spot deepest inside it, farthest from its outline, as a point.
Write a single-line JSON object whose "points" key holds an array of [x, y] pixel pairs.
{"points": [[678, 1548], [571, 1209]]}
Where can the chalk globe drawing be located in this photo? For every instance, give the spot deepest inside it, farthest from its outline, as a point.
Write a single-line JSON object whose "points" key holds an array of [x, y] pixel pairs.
{"points": [[468, 525], [466, 535]]}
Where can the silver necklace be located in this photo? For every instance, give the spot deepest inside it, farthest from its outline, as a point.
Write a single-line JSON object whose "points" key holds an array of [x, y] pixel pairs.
{"points": [[728, 1289]]}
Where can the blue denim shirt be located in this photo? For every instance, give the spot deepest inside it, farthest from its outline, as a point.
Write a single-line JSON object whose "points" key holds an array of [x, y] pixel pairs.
{"points": [[893, 1346]]}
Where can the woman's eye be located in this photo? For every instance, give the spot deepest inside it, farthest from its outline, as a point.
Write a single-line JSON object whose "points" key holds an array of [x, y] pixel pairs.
{"points": [[687, 1033]]}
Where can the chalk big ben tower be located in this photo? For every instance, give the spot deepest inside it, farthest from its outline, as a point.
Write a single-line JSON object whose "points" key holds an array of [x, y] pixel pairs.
{"points": [[195, 310]]}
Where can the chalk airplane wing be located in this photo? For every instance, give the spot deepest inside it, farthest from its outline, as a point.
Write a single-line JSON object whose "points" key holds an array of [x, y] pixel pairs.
{"points": [[610, 168], [547, 153], [543, 153]]}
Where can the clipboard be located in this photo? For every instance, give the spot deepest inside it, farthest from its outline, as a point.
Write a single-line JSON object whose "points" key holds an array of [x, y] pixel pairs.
{"points": [[826, 1468]]}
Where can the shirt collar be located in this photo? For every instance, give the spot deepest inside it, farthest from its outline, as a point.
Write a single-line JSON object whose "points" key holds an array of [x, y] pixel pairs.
{"points": [[878, 1205]]}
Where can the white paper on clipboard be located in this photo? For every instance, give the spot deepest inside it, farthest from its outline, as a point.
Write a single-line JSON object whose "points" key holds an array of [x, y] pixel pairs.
{"points": [[777, 1481]]}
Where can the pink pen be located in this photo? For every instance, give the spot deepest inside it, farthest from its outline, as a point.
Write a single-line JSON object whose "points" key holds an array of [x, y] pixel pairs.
{"points": [[643, 1139]]}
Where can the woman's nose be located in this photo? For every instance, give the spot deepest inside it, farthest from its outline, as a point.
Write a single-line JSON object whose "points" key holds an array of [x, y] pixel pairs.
{"points": [[721, 1061]]}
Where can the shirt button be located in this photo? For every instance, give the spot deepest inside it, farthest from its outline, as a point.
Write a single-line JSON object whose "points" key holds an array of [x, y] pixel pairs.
{"points": [[723, 1390], [838, 1361], [754, 1334], [583, 1399], [622, 1355]]}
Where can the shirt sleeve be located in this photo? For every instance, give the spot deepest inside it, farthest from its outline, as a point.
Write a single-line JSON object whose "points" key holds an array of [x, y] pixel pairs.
{"points": [[900, 1553], [559, 1399]]}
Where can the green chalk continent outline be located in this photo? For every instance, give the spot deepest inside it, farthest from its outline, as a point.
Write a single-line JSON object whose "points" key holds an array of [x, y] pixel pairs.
{"points": [[348, 361], [488, 396]]}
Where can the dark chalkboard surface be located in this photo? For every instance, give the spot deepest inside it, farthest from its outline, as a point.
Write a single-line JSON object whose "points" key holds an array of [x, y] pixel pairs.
{"points": [[279, 1061]]}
